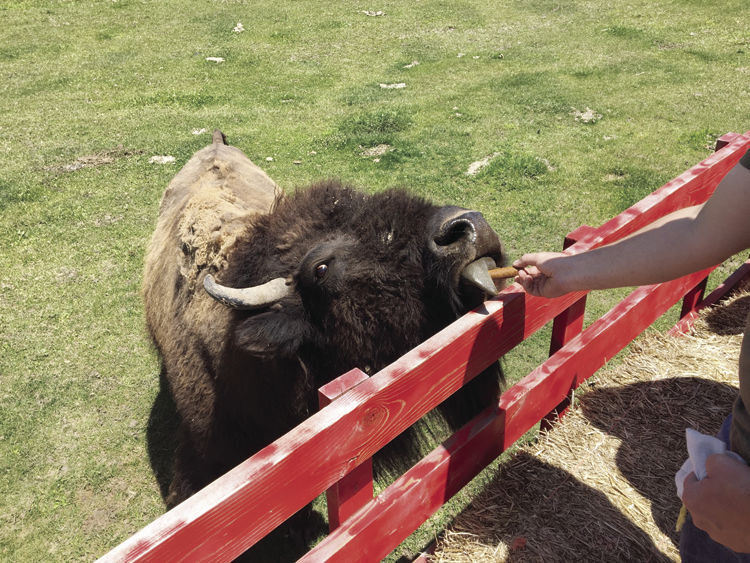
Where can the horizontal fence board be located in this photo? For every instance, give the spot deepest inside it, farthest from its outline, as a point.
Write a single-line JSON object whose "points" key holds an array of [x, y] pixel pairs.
{"points": [[233, 513], [378, 528]]}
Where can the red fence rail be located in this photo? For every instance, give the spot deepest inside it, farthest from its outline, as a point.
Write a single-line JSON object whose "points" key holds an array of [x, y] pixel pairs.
{"points": [[236, 511]]}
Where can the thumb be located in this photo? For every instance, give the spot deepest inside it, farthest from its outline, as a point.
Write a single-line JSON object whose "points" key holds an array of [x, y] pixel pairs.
{"points": [[523, 261]]}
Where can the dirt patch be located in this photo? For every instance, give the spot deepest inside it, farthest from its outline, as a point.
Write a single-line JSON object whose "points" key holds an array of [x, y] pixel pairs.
{"points": [[100, 511], [476, 167], [96, 159], [600, 485], [378, 150], [586, 116]]}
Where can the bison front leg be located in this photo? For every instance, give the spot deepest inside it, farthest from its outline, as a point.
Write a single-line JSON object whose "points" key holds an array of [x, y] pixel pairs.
{"points": [[191, 471]]}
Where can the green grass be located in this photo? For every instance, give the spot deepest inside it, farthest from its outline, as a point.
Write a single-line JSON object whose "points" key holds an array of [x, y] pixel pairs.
{"points": [[120, 81]]}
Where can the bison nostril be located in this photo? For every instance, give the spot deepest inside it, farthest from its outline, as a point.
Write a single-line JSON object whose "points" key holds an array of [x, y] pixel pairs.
{"points": [[456, 231]]}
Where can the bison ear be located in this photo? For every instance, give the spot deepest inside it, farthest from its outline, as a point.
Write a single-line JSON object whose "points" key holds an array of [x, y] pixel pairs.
{"points": [[278, 333]]}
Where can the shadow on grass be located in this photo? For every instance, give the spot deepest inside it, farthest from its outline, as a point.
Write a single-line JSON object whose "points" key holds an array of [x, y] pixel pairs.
{"points": [[286, 543], [161, 434]]}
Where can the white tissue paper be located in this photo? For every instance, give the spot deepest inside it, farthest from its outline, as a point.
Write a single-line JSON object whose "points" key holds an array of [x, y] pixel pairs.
{"points": [[699, 447]]}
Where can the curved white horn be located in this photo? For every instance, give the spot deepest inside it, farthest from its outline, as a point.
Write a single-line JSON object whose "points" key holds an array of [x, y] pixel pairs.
{"points": [[247, 297]]}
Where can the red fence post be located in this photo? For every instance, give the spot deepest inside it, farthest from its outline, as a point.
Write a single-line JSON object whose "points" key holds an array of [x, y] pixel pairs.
{"points": [[355, 489], [570, 322], [566, 326], [739, 279]]}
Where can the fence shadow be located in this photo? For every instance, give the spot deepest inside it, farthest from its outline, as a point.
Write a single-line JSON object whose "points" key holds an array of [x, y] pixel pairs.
{"points": [[287, 543], [549, 515], [560, 517]]}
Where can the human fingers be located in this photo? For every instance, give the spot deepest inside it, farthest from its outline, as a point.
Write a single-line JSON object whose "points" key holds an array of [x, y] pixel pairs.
{"points": [[720, 469], [530, 260], [694, 494], [535, 282], [689, 480], [691, 495], [526, 277], [528, 271]]}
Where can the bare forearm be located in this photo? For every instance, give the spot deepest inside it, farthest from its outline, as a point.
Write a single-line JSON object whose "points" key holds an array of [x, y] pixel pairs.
{"points": [[686, 241], [654, 255]]}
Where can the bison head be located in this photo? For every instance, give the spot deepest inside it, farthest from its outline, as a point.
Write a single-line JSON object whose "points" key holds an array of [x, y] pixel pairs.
{"points": [[340, 279]]}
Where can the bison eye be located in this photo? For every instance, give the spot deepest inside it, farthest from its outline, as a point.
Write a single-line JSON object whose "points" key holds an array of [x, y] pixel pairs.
{"points": [[321, 270]]}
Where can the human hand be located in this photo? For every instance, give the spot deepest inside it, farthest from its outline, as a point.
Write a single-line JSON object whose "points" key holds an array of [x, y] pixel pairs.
{"points": [[543, 274], [720, 503]]}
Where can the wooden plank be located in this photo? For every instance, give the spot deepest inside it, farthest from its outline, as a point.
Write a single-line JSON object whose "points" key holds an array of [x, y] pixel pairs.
{"points": [[337, 387], [233, 513], [354, 490], [379, 527]]}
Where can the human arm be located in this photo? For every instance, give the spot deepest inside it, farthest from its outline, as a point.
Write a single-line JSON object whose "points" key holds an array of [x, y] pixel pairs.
{"points": [[686, 241], [720, 503]]}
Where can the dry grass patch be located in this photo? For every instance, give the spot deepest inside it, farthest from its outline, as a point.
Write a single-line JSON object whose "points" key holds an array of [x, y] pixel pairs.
{"points": [[600, 486]]}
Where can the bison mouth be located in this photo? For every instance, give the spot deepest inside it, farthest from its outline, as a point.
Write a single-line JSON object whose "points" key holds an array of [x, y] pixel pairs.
{"points": [[477, 274]]}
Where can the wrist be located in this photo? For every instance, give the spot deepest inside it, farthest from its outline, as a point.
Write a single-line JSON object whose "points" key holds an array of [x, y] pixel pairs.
{"points": [[566, 272]]}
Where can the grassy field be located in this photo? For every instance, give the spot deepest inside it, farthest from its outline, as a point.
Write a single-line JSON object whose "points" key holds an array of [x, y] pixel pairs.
{"points": [[587, 106]]}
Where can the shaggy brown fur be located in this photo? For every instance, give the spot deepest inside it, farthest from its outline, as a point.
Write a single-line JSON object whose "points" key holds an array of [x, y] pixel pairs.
{"points": [[240, 379]]}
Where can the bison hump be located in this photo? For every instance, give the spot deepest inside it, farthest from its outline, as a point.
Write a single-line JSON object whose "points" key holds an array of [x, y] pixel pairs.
{"points": [[214, 198], [208, 231]]}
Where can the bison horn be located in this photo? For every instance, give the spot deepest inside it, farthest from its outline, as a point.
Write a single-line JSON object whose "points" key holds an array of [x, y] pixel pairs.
{"points": [[247, 297]]}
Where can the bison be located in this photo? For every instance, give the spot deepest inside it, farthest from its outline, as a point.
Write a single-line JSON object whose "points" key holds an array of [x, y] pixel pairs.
{"points": [[254, 299]]}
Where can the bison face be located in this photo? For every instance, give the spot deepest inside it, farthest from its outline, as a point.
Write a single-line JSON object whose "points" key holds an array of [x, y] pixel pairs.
{"points": [[363, 280]]}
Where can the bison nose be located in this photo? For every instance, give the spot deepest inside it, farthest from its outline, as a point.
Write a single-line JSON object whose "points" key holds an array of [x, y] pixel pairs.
{"points": [[463, 234], [455, 233], [463, 247]]}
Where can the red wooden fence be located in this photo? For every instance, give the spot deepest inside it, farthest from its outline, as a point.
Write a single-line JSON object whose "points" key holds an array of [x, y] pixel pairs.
{"points": [[233, 513]]}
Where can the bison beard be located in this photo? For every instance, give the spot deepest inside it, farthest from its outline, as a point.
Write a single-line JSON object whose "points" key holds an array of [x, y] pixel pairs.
{"points": [[368, 277]]}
